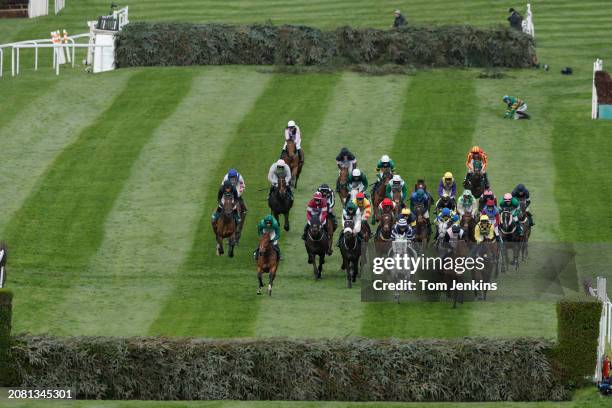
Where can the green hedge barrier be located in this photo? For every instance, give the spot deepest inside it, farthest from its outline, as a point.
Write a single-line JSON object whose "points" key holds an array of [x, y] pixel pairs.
{"points": [[179, 44], [578, 333], [6, 314]]}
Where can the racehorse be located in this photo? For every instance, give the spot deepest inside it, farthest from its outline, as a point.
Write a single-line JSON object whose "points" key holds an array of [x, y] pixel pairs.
{"points": [[379, 192], [489, 251], [423, 231], [398, 200], [317, 243], [366, 232], [455, 248], [382, 239], [280, 202], [468, 225], [351, 252], [225, 226], [446, 202], [509, 231], [243, 214], [3, 259], [475, 182], [524, 238], [342, 183], [267, 262], [401, 247], [292, 158]]}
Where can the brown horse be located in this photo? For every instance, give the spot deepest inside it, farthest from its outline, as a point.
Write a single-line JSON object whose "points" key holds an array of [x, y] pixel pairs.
{"points": [[468, 225], [524, 238], [382, 239], [457, 248], [423, 230], [280, 202], [291, 157], [317, 243], [351, 252], [366, 233], [342, 183], [225, 226], [379, 192], [398, 201], [3, 259], [475, 182], [267, 262], [489, 251]]}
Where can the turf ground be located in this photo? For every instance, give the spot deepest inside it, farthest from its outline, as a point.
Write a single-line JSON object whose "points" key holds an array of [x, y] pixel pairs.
{"points": [[107, 182]]}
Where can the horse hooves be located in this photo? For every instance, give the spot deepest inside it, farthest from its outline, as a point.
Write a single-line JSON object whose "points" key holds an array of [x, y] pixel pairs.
{"points": [[310, 261], [330, 251], [259, 291], [286, 227]]}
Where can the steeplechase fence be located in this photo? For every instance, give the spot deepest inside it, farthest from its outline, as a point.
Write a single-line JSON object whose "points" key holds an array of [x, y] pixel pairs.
{"points": [[605, 324]]}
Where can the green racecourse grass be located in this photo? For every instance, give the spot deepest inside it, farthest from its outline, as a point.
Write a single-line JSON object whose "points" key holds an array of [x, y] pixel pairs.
{"points": [[107, 182]]}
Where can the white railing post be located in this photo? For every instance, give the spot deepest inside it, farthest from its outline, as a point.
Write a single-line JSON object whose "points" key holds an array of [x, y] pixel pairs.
{"points": [[527, 25], [597, 66], [1, 61]]}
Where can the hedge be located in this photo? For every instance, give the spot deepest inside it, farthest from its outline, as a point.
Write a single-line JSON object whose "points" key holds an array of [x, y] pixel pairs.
{"points": [[281, 369], [179, 44], [6, 313], [578, 333]]}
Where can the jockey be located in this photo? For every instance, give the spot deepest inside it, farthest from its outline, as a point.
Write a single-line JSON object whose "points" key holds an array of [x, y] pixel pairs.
{"points": [[351, 213], [386, 206], [397, 184], [483, 230], [358, 180], [420, 197], [269, 224], [292, 132], [486, 196], [408, 215], [467, 203], [364, 206], [453, 233], [522, 194], [279, 169], [511, 204], [318, 204], [516, 108], [446, 218], [445, 201], [384, 163], [229, 189], [328, 195], [238, 182], [447, 185], [402, 230], [345, 156], [476, 154], [491, 211]]}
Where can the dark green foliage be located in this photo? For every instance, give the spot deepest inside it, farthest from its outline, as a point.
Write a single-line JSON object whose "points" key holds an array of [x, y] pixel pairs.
{"points": [[578, 332], [280, 369], [6, 313], [163, 44]]}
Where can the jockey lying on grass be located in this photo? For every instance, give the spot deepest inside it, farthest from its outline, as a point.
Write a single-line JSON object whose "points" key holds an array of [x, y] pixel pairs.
{"points": [[317, 205], [467, 204], [447, 185], [269, 224], [292, 132], [351, 213], [517, 108], [227, 189], [402, 230], [238, 182], [397, 184], [277, 171], [345, 157], [522, 194]]}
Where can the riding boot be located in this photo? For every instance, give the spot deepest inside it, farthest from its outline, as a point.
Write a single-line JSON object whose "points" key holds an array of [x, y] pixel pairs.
{"points": [[278, 252], [256, 253], [301, 156], [243, 205], [530, 218]]}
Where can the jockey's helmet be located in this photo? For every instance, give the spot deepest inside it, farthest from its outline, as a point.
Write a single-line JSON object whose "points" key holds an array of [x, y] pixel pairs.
{"points": [[488, 193], [455, 228], [521, 188], [356, 174], [227, 184], [385, 159], [397, 179], [490, 203], [406, 211], [448, 176], [387, 202], [507, 197], [475, 149], [291, 124], [446, 212], [280, 163], [351, 208], [317, 196], [232, 173], [402, 224], [455, 218], [506, 98], [268, 219], [360, 196], [484, 218]]}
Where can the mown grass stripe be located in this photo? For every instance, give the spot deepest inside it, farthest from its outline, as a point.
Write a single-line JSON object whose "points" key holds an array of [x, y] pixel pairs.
{"points": [[60, 225], [438, 122], [216, 295], [40, 122], [152, 225], [364, 114]]}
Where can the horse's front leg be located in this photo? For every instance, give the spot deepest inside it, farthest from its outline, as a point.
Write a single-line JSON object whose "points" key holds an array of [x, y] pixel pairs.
{"points": [[259, 275], [271, 280], [219, 245], [321, 262], [232, 242], [286, 222]]}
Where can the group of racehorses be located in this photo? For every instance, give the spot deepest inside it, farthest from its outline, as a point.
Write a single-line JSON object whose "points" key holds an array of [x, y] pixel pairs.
{"points": [[319, 240]]}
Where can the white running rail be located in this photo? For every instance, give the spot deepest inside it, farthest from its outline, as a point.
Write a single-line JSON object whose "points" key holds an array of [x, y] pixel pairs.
{"points": [[528, 27], [605, 324], [597, 66]]}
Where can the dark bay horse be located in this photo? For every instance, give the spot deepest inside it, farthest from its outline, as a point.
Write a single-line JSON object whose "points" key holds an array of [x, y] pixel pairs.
{"points": [[423, 230], [351, 252], [382, 239], [488, 250], [267, 262], [455, 248], [292, 158], [3, 259], [476, 183], [225, 226], [398, 200], [468, 225], [524, 238], [509, 232], [317, 244], [379, 192], [280, 202], [342, 183]]}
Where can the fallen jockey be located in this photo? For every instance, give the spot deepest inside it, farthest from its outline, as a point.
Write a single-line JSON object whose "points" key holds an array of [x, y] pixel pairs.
{"points": [[351, 213], [292, 132], [279, 170], [397, 184], [522, 194], [517, 108], [447, 185], [402, 230], [269, 224], [238, 182], [317, 205], [226, 190], [345, 157]]}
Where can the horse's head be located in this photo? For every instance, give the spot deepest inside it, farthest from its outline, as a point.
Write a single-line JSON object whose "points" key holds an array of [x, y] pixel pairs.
{"points": [[282, 186], [291, 148], [264, 242], [466, 220], [315, 224], [228, 204], [387, 221], [507, 219], [344, 170]]}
